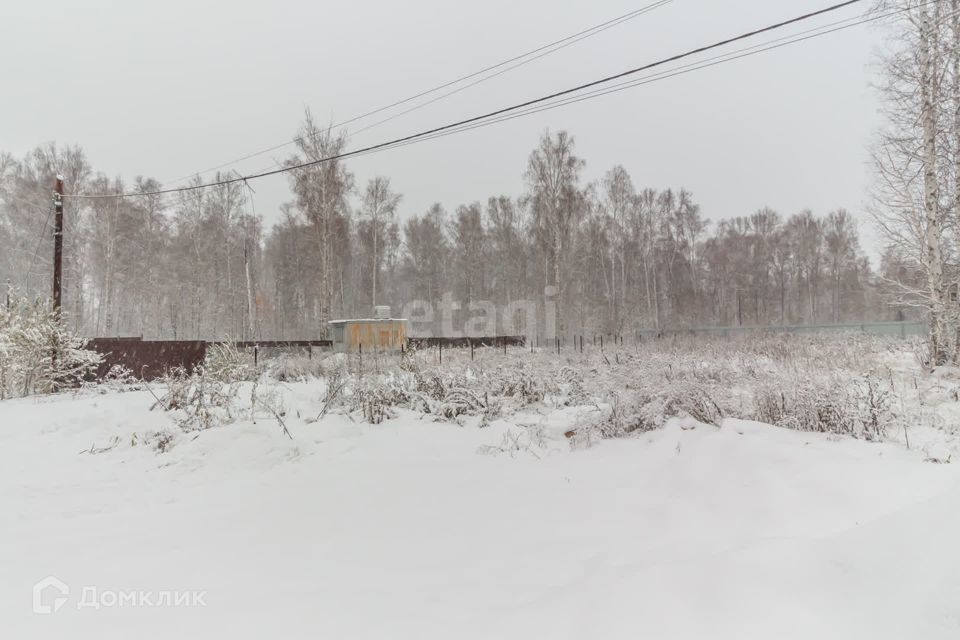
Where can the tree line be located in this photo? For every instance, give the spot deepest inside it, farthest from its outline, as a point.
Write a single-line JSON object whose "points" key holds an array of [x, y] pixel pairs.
{"points": [[612, 256]]}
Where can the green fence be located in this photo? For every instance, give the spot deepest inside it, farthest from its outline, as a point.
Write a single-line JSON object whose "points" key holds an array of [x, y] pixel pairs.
{"points": [[901, 329]]}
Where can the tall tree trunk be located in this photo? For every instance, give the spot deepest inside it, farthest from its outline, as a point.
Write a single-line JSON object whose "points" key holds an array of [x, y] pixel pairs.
{"points": [[933, 258], [955, 60], [646, 284], [374, 263], [251, 324]]}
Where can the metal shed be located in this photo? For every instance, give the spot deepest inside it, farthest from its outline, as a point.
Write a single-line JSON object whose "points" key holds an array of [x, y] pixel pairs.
{"points": [[370, 334]]}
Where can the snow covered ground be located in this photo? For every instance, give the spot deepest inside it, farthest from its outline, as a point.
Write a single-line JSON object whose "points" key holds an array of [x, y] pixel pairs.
{"points": [[420, 529]]}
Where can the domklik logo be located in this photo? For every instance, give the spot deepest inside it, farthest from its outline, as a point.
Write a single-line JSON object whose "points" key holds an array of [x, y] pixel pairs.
{"points": [[49, 595]]}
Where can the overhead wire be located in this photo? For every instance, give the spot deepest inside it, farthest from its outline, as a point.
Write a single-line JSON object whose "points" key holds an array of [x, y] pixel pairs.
{"points": [[682, 70], [524, 58], [459, 125], [43, 233]]}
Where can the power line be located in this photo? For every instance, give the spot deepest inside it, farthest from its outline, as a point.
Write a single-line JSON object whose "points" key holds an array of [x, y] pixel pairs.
{"points": [[770, 45], [43, 233], [453, 92], [498, 112], [682, 70], [493, 75], [524, 58]]}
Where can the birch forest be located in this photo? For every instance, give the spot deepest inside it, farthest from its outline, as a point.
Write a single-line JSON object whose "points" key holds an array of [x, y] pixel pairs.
{"points": [[617, 255]]}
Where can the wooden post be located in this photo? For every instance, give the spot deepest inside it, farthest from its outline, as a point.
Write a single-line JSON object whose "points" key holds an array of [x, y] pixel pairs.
{"points": [[440, 350], [471, 349]]}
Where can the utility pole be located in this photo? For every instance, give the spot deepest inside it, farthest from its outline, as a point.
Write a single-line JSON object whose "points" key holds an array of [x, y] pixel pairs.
{"points": [[58, 246]]}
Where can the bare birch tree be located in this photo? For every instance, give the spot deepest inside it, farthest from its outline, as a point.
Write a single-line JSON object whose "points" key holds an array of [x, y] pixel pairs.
{"points": [[379, 206], [911, 202]]}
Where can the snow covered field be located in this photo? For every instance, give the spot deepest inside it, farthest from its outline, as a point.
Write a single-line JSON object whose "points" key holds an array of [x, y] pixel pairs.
{"points": [[420, 528]]}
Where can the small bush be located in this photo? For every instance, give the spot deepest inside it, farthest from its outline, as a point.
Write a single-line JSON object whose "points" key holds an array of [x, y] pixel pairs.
{"points": [[858, 407], [294, 368], [199, 401], [226, 363], [38, 353]]}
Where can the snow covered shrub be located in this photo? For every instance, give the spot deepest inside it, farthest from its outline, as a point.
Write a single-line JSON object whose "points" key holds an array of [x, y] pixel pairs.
{"points": [[430, 384], [159, 441], [38, 353], [295, 368], [572, 385], [462, 401], [584, 437], [696, 402], [639, 411], [375, 399], [806, 405], [860, 407], [522, 384], [336, 379], [779, 379], [527, 440], [119, 378], [878, 413], [226, 363], [198, 401], [445, 396], [624, 417]]}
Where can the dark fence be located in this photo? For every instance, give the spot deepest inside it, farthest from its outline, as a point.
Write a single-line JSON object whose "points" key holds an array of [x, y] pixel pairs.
{"points": [[148, 359], [466, 343], [880, 328], [276, 344]]}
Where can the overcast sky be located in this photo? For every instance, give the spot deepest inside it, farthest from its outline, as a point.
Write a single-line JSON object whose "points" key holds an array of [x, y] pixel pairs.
{"points": [[168, 88]]}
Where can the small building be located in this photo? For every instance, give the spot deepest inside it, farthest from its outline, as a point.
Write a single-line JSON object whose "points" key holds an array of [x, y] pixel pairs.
{"points": [[380, 333]]}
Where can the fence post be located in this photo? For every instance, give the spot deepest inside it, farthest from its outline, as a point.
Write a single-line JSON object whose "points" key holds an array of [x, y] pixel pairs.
{"points": [[440, 350]]}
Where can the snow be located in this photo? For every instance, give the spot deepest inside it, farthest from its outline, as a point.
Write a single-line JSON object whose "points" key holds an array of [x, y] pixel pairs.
{"points": [[421, 529]]}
